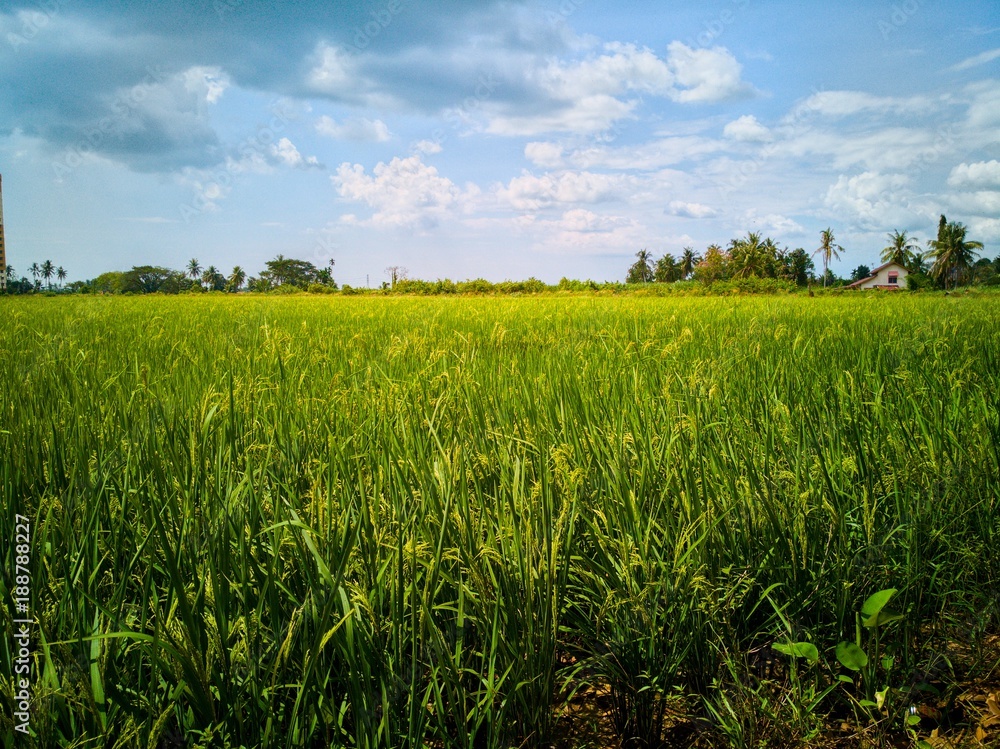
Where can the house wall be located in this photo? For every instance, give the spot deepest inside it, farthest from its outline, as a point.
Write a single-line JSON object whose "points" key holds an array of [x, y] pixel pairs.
{"points": [[881, 278]]}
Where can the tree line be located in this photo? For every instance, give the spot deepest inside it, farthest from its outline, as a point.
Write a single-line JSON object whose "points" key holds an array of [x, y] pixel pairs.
{"points": [[951, 259], [151, 279]]}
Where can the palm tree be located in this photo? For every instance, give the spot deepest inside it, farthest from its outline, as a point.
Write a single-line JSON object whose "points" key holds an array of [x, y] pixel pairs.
{"points": [[236, 278], [667, 270], [689, 259], [747, 255], [194, 269], [901, 249], [953, 254], [213, 279], [48, 270], [641, 272], [827, 250], [34, 270], [918, 264], [61, 274]]}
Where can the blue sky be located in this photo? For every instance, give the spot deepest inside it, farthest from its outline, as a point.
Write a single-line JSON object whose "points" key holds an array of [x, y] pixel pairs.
{"points": [[498, 139]]}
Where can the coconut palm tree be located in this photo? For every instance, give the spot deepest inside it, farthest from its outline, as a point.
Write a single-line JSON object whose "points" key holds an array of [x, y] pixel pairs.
{"points": [[901, 249], [34, 270], [667, 270], [48, 270], [953, 254], [689, 259], [61, 274], [918, 264], [827, 250], [213, 279], [194, 269], [641, 271], [236, 278], [748, 255]]}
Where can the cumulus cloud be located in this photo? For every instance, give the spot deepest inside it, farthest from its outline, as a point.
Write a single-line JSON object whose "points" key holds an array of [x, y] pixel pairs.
{"points": [[359, 129], [427, 147], [405, 193], [871, 199], [691, 210], [530, 193], [985, 229], [208, 83], [706, 75], [335, 71], [747, 129], [548, 155], [286, 153], [978, 174], [980, 203], [591, 95], [772, 223]]}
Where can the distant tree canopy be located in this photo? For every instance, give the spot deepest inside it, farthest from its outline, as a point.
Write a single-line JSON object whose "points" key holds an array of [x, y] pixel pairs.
{"points": [[951, 259], [752, 256], [283, 271], [148, 279], [861, 272]]}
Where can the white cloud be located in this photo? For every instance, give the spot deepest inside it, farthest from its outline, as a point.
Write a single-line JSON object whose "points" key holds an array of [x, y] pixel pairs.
{"points": [[771, 223], [871, 199], [626, 68], [530, 193], [591, 95], [706, 75], [985, 230], [984, 109], [691, 210], [208, 83], [427, 147], [874, 149], [405, 193], [747, 129], [286, 153], [549, 155], [651, 155], [847, 103], [590, 114], [980, 203], [358, 129], [334, 72], [976, 60], [978, 174]]}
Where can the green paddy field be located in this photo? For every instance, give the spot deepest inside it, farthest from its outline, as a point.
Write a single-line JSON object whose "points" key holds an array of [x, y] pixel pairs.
{"points": [[503, 522]]}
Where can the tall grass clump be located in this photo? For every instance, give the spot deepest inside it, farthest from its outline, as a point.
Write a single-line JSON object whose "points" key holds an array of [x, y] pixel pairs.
{"points": [[404, 522]]}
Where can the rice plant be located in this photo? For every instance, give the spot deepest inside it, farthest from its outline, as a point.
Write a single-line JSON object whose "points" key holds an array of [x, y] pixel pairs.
{"points": [[398, 522]]}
